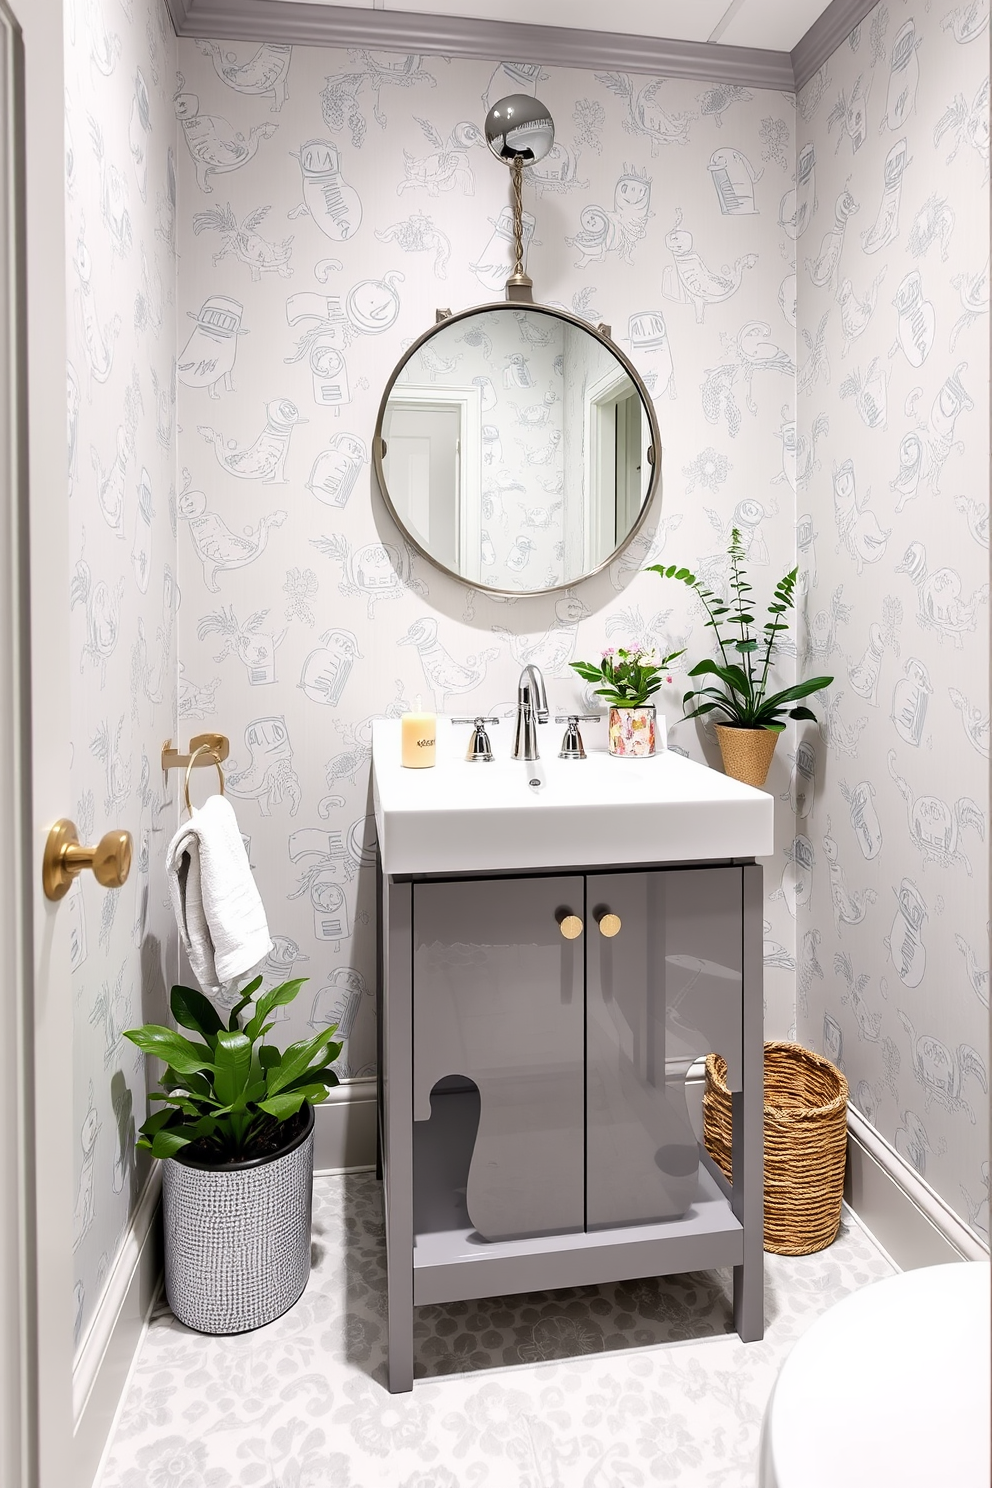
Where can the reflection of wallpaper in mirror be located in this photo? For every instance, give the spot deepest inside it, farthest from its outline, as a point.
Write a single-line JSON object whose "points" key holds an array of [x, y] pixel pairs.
{"points": [[531, 504]]}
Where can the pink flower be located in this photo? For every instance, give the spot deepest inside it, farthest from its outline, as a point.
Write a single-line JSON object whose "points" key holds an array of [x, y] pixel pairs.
{"points": [[610, 651], [668, 679]]}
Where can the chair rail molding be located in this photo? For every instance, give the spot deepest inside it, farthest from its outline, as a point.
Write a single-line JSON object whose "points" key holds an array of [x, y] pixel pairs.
{"points": [[300, 23]]}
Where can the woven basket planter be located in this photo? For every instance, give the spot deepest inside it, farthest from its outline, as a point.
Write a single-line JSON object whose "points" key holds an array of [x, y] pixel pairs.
{"points": [[805, 1144], [237, 1238], [747, 753]]}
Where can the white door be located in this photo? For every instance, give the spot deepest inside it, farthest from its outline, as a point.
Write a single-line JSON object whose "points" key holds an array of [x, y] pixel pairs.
{"points": [[424, 477], [36, 1345], [433, 469]]}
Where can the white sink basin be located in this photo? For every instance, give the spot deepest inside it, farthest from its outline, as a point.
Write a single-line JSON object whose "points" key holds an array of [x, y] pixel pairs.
{"points": [[464, 818]]}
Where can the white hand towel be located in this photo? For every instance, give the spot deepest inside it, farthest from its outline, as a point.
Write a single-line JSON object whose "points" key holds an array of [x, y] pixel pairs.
{"points": [[218, 908]]}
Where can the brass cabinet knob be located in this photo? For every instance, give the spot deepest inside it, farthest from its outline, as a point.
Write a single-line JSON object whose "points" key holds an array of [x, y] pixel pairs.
{"points": [[570, 926], [609, 925], [64, 857]]}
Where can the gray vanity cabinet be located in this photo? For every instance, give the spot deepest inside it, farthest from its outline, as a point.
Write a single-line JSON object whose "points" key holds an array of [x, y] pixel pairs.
{"points": [[663, 986], [536, 1032], [579, 1047], [498, 1000]]}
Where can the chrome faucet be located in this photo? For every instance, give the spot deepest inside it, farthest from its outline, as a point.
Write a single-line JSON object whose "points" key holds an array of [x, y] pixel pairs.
{"points": [[532, 709]]}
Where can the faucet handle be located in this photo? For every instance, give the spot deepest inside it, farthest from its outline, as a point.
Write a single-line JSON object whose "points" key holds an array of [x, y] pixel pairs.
{"points": [[572, 747], [479, 747]]}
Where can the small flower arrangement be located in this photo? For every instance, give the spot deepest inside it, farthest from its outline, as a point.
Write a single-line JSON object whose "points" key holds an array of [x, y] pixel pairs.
{"points": [[629, 678]]}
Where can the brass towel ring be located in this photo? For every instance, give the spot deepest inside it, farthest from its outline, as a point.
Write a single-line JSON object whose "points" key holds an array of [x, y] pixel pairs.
{"points": [[203, 749]]}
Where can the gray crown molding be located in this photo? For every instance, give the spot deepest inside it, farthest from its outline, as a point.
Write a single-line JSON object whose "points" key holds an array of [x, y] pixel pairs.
{"points": [[178, 10], [290, 21], [825, 35], [298, 23]]}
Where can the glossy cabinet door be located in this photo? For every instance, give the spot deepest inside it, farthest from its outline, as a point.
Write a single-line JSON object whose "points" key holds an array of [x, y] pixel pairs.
{"points": [[663, 986], [498, 998]]}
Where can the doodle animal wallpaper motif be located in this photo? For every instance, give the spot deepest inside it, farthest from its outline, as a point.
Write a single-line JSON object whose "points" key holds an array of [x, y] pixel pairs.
{"points": [[803, 285], [894, 274], [122, 592]]}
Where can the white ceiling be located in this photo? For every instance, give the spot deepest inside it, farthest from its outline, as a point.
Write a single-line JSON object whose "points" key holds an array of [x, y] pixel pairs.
{"points": [[772, 24]]}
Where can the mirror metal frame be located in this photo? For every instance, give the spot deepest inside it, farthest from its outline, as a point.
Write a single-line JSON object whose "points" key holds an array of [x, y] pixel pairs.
{"points": [[446, 318]]}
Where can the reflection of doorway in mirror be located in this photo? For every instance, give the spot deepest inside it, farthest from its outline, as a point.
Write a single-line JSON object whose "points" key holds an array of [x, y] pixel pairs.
{"points": [[630, 463], [433, 469], [617, 469]]}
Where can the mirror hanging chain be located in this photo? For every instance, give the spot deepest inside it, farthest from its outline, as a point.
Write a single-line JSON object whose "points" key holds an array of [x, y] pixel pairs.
{"points": [[518, 279], [519, 131]]}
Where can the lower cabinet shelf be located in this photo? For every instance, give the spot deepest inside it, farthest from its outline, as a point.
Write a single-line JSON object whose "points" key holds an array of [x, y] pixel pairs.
{"points": [[452, 1263]]}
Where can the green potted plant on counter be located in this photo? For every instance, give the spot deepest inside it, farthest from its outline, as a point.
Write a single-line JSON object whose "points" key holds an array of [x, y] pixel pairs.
{"points": [[750, 718], [628, 680], [235, 1133]]}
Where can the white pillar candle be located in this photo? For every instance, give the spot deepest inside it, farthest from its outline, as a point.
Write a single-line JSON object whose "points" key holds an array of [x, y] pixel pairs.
{"points": [[417, 732]]}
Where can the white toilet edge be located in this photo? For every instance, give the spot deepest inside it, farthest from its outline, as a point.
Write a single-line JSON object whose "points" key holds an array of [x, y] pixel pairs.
{"points": [[782, 1457], [766, 1465]]}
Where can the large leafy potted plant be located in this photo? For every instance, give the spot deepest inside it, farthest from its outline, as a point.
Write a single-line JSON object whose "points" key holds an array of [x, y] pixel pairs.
{"points": [[235, 1132], [750, 717], [628, 681]]}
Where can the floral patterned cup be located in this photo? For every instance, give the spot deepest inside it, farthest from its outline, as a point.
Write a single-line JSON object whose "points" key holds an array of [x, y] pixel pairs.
{"points": [[632, 731]]}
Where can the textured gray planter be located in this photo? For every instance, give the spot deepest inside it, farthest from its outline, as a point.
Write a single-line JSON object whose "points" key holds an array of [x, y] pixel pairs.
{"points": [[237, 1238]]}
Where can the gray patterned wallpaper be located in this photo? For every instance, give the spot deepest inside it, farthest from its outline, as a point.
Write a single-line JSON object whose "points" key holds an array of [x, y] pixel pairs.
{"points": [[329, 202], [889, 862], [122, 594], [326, 203]]}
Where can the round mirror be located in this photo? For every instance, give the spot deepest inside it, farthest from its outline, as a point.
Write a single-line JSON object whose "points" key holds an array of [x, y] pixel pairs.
{"points": [[517, 448]]}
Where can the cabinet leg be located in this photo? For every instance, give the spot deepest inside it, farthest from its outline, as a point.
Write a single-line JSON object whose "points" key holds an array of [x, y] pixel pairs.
{"points": [[748, 1123], [399, 1362], [749, 1280], [399, 1285], [749, 1301], [397, 1132]]}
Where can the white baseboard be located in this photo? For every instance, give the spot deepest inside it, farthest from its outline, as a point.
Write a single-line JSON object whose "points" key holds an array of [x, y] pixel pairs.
{"points": [[345, 1128], [104, 1357], [905, 1215]]}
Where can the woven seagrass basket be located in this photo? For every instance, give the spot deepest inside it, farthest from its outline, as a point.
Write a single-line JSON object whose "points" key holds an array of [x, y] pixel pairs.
{"points": [[805, 1144]]}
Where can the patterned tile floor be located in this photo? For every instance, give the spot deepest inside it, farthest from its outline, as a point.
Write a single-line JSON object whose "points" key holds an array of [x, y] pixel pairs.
{"points": [[625, 1386]]}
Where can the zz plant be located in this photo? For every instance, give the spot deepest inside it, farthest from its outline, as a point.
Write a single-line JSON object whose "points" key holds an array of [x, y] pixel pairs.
{"points": [[227, 1090], [743, 697]]}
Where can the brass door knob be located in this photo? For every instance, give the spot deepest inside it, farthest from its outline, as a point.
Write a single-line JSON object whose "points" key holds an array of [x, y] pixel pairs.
{"points": [[570, 926], [609, 925], [65, 857]]}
